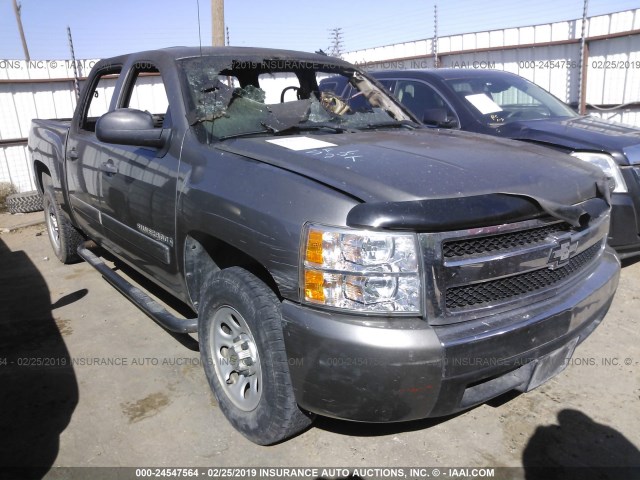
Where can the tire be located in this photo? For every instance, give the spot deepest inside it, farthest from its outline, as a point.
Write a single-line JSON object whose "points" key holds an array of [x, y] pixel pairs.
{"points": [[26, 202], [63, 236], [242, 350]]}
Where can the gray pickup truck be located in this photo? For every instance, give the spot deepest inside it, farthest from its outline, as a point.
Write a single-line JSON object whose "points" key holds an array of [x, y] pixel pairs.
{"points": [[339, 258]]}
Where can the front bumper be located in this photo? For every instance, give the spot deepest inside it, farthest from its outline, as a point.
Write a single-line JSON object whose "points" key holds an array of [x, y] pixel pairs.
{"points": [[624, 235], [378, 369]]}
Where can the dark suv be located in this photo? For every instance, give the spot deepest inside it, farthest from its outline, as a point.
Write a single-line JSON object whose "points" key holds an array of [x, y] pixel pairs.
{"points": [[506, 105]]}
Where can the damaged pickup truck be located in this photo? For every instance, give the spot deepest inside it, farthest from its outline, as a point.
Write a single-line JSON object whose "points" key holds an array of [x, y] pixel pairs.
{"points": [[341, 259]]}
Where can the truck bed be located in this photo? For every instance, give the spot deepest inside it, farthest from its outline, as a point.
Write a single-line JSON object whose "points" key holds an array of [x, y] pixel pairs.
{"points": [[59, 125], [47, 140]]}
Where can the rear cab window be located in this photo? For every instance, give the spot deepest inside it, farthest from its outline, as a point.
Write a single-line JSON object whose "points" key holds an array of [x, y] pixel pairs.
{"points": [[99, 99]]}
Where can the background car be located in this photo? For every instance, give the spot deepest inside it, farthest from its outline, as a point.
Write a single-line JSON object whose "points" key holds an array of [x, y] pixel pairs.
{"points": [[506, 105]]}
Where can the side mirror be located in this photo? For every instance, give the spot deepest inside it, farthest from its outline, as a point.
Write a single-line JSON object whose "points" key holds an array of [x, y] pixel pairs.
{"points": [[128, 126], [437, 117]]}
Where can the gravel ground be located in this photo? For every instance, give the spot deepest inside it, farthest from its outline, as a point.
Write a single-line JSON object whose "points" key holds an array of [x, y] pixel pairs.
{"points": [[129, 394]]}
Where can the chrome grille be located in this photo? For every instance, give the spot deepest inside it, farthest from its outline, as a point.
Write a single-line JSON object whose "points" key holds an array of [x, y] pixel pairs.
{"points": [[495, 243], [505, 288], [484, 271]]}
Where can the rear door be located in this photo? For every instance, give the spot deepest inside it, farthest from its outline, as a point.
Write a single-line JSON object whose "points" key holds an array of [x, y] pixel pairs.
{"points": [[84, 152]]}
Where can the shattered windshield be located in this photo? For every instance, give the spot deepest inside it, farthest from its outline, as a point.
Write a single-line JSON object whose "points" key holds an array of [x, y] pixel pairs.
{"points": [[502, 99], [276, 96]]}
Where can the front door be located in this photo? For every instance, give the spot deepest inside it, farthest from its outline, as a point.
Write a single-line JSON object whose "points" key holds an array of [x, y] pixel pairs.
{"points": [[138, 185]]}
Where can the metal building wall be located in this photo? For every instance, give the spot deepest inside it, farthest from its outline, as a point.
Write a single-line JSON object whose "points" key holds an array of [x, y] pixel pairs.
{"points": [[548, 55], [36, 89]]}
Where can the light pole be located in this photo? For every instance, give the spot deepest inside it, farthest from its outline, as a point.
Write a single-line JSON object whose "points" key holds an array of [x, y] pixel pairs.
{"points": [[16, 9]]}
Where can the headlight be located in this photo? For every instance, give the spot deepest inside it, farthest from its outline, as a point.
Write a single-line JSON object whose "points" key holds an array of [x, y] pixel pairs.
{"points": [[361, 271], [608, 166]]}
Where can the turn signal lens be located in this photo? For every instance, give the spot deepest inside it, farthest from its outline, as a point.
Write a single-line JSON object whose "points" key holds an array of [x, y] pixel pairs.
{"points": [[314, 286]]}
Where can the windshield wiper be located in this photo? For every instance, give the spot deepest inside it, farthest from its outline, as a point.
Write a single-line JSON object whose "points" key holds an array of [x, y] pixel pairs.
{"points": [[246, 134], [286, 130], [307, 128], [393, 124]]}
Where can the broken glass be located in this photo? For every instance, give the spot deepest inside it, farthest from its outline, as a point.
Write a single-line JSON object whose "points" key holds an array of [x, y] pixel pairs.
{"points": [[234, 97]]}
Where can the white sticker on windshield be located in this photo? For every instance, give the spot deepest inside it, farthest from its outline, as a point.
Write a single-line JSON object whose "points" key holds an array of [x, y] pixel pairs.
{"points": [[483, 103], [301, 143]]}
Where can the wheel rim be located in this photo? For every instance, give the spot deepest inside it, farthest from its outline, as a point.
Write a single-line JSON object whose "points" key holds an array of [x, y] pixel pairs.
{"points": [[52, 226], [236, 359]]}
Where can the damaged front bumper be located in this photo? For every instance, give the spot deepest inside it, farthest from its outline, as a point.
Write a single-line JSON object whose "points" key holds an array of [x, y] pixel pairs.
{"points": [[381, 369]]}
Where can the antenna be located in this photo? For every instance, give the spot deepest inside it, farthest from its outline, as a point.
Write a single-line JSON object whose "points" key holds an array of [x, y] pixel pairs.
{"points": [[199, 34]]}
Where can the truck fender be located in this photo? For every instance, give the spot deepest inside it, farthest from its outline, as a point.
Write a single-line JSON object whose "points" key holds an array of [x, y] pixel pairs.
{"points": [[204, 255]]}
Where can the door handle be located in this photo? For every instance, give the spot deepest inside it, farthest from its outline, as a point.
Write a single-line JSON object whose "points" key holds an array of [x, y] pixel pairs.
{"points": [[108, 168], [73, 154]]}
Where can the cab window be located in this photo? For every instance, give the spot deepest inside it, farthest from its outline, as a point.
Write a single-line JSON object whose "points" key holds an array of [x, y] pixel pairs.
{"points": [[99, 100], [145, 91]]}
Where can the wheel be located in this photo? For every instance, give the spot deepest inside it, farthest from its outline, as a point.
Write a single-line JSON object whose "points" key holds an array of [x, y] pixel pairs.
{"points": [[63, 236], [242, 350], [26, 202]]}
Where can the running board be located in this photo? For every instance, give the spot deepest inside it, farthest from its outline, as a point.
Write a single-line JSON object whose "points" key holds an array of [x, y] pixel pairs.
{"points": [[139, 298]]}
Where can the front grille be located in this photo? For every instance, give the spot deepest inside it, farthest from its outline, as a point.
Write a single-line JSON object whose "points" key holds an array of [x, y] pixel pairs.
{"points": [[506, 241], [506, 288]]}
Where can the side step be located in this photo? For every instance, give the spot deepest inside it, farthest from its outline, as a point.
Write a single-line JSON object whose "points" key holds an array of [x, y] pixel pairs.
{"points": [[139, 298]]}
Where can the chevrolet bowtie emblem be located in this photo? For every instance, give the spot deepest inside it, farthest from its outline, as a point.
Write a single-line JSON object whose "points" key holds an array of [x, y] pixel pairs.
{"points": [[561, 253]]}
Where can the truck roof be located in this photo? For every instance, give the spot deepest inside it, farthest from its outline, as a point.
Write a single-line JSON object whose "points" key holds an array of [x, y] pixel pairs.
{"points": [[248, 53]]}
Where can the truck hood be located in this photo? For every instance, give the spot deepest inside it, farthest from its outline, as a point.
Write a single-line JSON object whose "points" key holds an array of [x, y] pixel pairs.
{"points": [[409, 166], [579, 133]]}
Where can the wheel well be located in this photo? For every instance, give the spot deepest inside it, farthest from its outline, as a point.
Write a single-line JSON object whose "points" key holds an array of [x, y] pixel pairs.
{"points": [[40, 170], [204, 254]]}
